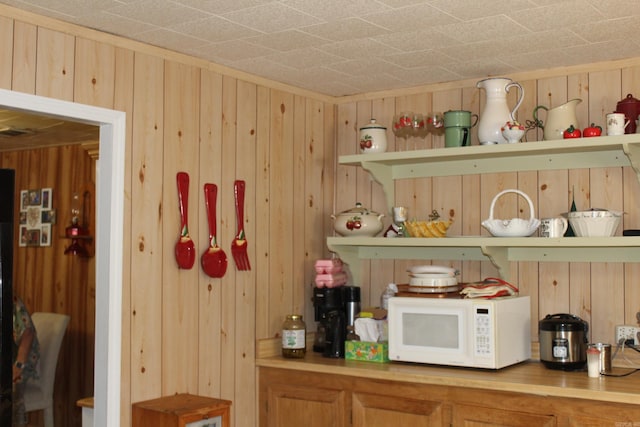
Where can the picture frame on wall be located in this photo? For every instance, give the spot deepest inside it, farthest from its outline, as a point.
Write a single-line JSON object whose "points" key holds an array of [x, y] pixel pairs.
{"points": [[35, 198], [24, 200], [36, 217], [48, 217], [22, 236], [33, 237], [46, 198], [45, 235]]}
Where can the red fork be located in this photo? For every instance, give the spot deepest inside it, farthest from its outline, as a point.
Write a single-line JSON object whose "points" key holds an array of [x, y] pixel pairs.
{"points": [[239, 244]]}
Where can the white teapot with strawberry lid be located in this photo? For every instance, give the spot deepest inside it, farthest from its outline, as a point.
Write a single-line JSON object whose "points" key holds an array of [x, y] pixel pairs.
{"points": [[358, 221], [373, 138]]}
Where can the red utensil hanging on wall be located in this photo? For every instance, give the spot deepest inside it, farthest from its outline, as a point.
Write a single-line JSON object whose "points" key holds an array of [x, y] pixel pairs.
{"points": [[239, 244], [185, 249], [213, 260]]}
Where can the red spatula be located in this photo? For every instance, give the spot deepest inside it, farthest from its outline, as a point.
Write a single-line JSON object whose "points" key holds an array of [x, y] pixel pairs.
{"points": [[185, 249]]}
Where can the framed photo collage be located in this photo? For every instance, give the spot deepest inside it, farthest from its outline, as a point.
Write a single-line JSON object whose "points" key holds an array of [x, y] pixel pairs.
{"points": [[36, 217]]}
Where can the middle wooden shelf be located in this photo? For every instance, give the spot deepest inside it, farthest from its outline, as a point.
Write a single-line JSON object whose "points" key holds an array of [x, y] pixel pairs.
{"points": [[499, 250]]}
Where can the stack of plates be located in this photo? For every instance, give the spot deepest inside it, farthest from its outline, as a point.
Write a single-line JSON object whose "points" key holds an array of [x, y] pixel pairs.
{"points": [[433, 279]]}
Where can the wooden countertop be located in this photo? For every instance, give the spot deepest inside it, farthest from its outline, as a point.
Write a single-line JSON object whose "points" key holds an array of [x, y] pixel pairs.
{"points": [[528, 377]]}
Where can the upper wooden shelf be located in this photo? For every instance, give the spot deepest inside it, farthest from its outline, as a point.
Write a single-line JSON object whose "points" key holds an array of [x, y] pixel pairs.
{"points": [[604, 151], [385, 168]]}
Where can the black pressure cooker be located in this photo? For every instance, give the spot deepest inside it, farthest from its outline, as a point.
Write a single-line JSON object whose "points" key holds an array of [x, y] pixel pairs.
{"points": [[563, 341]]}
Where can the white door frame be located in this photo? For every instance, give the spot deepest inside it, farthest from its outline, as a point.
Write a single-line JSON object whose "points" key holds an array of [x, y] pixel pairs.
{"points": [[109, 239]]}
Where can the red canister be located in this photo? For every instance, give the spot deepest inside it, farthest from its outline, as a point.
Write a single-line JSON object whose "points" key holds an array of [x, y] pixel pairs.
{"points": [[630, 106]]}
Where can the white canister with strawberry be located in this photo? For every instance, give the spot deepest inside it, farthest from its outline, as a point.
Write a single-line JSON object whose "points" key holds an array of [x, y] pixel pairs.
{"points": [[358, 221], [373, 138]]}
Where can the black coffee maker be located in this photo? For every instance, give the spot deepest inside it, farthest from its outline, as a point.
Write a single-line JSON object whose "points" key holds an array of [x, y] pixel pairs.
{"points": [[333, 310]]}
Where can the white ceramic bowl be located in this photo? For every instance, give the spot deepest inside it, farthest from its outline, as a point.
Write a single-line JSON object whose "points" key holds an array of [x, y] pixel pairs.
{"points": [[512, 136], [594, 223]]}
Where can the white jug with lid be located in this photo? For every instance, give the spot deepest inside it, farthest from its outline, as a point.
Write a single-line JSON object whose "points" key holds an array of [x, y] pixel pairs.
{"points": [[496, 111]]}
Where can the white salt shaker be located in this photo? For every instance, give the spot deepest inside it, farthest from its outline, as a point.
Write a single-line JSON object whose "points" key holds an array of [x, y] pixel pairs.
{"points": [[593, 361]]}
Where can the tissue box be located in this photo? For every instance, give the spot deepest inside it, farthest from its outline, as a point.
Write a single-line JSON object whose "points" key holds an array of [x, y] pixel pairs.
{"points": [[367, 351]]}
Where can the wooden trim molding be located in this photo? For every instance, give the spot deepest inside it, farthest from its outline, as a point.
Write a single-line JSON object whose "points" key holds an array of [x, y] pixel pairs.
{"points": [[92, 148]]}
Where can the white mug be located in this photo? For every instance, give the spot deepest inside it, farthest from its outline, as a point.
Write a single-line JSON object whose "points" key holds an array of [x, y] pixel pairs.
{"points": [[616, 123], [553, 227]]}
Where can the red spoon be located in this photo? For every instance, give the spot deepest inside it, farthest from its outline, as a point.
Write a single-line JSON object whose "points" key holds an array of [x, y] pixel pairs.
{"points": [[185, 249], [213, 260]]}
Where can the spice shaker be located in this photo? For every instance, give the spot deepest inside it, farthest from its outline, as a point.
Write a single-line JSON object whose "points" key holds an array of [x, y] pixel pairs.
{"points": [[604, 360], [593, 361]]}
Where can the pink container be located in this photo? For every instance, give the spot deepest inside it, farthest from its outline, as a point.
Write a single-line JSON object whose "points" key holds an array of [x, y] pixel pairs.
{"points": [[331, 280], [328, 266]]}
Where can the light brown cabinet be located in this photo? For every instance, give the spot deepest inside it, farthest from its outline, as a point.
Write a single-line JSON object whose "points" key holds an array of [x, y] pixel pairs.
{"points": [[290, 397], [300, 405], [471, 415], [379, 410], [182, 410]]}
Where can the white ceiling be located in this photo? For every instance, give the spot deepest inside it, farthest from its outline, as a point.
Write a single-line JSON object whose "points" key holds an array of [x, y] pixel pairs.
{"points": [[343, 47], [22, 131]]}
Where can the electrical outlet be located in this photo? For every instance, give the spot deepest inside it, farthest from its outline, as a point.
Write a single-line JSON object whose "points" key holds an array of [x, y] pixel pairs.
{"points": [[627, 332]]}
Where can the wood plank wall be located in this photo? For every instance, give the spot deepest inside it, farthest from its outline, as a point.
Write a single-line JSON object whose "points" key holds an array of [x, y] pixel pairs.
{"points": [[48, 280], [604, 294], [185, 332]]}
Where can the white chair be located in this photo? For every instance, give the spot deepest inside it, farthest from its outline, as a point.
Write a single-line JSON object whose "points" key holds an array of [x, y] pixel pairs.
{"points": [[38, 394]]}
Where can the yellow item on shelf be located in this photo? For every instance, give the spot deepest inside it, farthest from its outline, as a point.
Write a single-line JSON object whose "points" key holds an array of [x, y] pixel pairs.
{"points": [[437, 228]]}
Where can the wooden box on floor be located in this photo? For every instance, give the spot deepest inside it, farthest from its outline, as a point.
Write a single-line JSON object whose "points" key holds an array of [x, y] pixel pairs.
{"points": [[182, 410]]}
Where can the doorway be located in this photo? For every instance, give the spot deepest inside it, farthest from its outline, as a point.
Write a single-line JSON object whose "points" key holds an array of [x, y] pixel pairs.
{"points": [[109, 238]]}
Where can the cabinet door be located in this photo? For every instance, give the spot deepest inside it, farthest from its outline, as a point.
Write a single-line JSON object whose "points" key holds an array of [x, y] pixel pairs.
{"points": [[371, 410], [623, 420], [294, 406], [476, 416]]}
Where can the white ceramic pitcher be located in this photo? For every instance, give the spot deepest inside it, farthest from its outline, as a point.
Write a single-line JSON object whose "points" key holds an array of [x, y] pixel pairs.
{"points": [[496, 111], [558, 119]]}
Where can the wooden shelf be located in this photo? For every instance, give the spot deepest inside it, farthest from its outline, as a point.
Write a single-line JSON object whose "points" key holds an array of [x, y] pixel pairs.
{"points": [[386, 168], [604, 151], [499, 250]]}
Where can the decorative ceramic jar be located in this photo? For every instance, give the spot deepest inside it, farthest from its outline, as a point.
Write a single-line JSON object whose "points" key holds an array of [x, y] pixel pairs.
{"points": [[358, 221], [373, 138], [513, 132], [630, 107]]}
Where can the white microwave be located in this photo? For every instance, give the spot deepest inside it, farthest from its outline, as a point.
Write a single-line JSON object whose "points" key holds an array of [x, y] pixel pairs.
{"points": [[477, 333]]}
